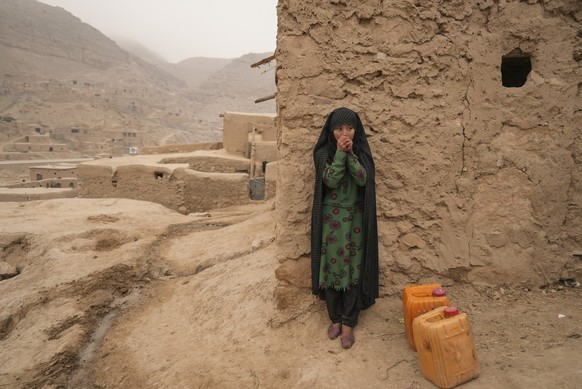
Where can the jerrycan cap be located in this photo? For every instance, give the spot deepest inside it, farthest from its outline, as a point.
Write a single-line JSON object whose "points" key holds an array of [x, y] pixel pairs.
{"points": [[439, 292], [451, 311]]}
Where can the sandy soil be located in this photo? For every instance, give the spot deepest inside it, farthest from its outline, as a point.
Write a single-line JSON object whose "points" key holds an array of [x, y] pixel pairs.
{"points": [[127, 294]]}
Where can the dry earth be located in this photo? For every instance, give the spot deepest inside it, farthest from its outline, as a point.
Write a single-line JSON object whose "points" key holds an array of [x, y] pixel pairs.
{"points": [[126, 294]]}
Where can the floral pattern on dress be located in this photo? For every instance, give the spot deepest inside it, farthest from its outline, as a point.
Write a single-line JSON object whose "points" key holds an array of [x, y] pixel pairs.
{"points": [[342, 238]]}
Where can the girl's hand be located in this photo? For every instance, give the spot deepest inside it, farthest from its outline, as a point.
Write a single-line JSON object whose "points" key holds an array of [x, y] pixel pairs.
{"points": [[345, 144]]}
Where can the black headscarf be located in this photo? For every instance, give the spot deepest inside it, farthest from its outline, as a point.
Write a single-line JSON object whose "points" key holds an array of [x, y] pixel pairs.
{"points": [[324, 151]]}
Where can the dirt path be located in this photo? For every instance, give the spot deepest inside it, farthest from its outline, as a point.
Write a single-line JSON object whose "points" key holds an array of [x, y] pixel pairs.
{"points": [[192, 306], [213, 330]]}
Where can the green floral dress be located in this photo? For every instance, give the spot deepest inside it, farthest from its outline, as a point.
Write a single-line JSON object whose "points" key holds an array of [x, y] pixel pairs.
{"points": [[341, 249]]}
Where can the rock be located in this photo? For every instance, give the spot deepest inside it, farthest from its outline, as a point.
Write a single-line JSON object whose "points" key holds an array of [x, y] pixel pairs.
{"points": [[393, 184], [256, 244], [497, 239], [296, 272], [413, 240], [7, 270], [404, 227], [387, 233]]}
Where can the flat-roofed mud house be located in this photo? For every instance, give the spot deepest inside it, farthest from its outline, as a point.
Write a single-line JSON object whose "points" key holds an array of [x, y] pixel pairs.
{"points": [[473, 112], [196, 177], [39, 143]]}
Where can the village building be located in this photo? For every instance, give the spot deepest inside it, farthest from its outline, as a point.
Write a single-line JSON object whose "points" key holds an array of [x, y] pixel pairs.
{"points": [[39, 144], [56, 174], [184, 177], [99, 142], [196, 177], [472, 111], [53, 176], [71, 141]]}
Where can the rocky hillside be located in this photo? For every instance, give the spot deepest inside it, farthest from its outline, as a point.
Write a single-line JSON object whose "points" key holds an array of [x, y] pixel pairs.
{"points": [[58, 72], [236, 87], [220, 84], [196, 70], [140, 51], [30, 28]]}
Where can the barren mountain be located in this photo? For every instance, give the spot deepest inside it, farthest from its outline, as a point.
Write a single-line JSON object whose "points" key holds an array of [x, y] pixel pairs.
{"points": [[237, 86], [58, 73], [196, 70], [140, 51], [191, 70]]}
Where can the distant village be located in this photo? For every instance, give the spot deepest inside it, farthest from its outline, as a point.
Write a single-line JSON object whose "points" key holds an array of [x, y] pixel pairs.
{"points": [[184, 177], [40, 161], [75, 141]]}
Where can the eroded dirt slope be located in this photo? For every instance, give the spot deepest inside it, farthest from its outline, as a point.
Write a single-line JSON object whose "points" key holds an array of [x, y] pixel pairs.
{"points": [[124, 294]]}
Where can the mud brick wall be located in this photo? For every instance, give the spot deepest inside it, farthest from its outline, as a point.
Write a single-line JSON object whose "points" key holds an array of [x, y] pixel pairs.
{"points": [[478, 177]]}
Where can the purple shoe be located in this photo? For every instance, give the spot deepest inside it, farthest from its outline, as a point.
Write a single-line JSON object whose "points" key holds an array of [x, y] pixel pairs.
{"points": [[348, 341], [334, 331]]}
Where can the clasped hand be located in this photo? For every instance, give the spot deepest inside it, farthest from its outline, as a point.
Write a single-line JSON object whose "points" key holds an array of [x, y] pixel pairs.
{"points": [[345, 144]]}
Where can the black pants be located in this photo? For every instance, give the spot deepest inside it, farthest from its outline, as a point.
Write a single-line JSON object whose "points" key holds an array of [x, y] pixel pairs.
{"points": [[342, 307]]}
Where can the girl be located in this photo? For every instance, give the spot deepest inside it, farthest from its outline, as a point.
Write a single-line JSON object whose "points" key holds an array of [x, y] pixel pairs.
{"points": [[344, 237]]}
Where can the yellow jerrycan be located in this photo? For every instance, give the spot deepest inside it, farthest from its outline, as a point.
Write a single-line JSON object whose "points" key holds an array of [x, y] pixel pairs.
{"points": [[418, 299], [446, 348]]}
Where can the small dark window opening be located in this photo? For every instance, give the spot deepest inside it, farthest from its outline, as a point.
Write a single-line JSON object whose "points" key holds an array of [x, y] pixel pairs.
{"points": [[114, 183], [264, 166], [515, 68], [159, 175]]}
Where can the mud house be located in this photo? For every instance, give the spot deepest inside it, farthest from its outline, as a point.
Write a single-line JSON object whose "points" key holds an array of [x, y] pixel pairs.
{"points": [[254, 136], [45, 181], [196, 177], [39, 144], [472, 109], [53, 176], [97, 141]]}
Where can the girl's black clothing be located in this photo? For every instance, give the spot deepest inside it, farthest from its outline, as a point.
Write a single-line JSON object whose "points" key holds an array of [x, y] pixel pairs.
{"points": [[342, 307], [325, 148]]}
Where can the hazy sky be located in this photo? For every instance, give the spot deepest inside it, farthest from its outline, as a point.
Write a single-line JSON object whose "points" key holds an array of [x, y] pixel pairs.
{"points": [[180, 29]]}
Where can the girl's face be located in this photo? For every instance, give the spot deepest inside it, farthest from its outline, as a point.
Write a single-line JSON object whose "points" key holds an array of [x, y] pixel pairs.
{"points": [[346, 130]]}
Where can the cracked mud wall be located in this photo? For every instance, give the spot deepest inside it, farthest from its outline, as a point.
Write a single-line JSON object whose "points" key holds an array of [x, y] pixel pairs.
{"points": [[476, 182]]}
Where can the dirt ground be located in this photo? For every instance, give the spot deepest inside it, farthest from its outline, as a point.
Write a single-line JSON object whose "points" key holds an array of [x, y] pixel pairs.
{"points": [[126, 294]]}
